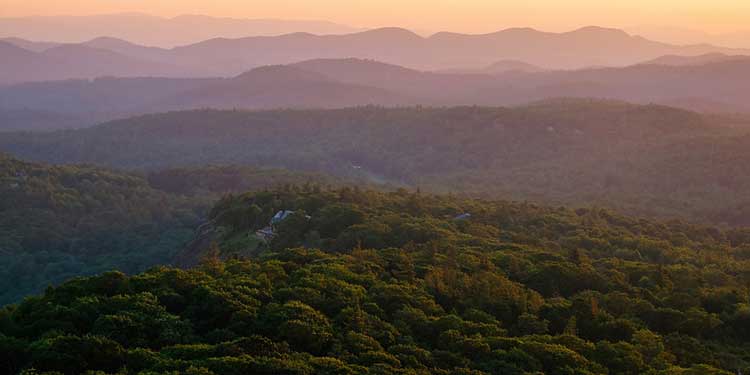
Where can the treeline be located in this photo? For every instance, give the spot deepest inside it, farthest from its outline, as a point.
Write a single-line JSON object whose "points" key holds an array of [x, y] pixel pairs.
{"points": [[404, 282], [644, 160], [220, 179]]}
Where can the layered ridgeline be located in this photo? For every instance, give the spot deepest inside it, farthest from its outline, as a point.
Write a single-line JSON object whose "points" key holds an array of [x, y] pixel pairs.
{"points": [[649, 160], [65, 221], [357, 282], [150, 30], [704, 83], [590, 46]]}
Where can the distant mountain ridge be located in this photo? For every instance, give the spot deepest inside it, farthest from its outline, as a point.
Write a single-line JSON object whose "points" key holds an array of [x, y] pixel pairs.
{"points": [[156, 31], [282, 87], [336, 83], [431, 88], [674, 60], [500, 52], [499, 67], [67, 61], [30, 44], [676, 35], [268, 87], [591, 46]]}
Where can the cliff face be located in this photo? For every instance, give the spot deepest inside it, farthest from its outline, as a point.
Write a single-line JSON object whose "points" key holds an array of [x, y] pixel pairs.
{"points": [[191, 255], [210, 240]]}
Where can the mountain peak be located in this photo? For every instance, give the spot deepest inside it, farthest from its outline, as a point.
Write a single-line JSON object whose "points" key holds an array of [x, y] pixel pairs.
{"points": [[107, 40], [8, 46], [10, 50], [391, 32], [279, 73], [598, 30], [520, 30]]}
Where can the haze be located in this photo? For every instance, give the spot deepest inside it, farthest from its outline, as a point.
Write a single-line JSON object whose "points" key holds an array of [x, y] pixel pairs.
{"points": [[391, 187], [720, 16]]}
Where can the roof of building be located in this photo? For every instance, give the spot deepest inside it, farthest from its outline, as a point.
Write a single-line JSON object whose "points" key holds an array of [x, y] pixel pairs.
{"points": [[281, 216]]}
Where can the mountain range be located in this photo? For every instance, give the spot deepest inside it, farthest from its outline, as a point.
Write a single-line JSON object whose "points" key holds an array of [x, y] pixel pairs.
{"points": [[508, 50], [157, 31], [67, 61], [718, 85], [678, 35], [676, 60]]}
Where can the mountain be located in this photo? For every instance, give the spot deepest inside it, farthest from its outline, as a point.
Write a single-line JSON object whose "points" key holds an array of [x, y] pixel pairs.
{"points": [[676, 35], [18, 62], [336, 83], [30, 45], [67, 61], [431, 88], [233, 56], [364, 282], [13, 54], [674, 60], [281, 87], [500, 52], [81, 61], [500, 67], [128, 49], [718, 82], [591, 46], [266, 87], [567, 151], [156, 31]]}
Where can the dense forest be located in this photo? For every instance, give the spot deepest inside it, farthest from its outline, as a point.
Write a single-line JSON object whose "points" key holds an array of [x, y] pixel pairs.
{"points": [[644, 160], [60, 222], [57, 222], [404, 282]]}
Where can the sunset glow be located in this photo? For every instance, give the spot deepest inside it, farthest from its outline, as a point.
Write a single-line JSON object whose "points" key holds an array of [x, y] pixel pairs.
{"points": [[428, 15]]}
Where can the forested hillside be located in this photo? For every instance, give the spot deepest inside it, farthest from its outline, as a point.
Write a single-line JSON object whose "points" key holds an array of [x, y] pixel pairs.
{"points": [[58, 222], [647, 160], [358, 282]]}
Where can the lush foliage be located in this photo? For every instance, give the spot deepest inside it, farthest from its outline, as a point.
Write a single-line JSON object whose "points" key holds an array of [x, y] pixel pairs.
{"points": [[403, 285], [645, 160], [65, 221]]}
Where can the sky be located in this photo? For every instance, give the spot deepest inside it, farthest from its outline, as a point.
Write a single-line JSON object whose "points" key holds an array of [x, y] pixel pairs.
{"points": [[714, 16]]}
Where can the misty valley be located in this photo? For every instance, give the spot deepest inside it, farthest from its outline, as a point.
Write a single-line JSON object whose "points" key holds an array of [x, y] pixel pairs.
{"points": [[252, 196]]}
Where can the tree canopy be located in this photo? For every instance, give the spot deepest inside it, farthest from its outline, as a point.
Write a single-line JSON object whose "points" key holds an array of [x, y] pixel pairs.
{"points": [[645, 160], [358, 281], [58, 222]]}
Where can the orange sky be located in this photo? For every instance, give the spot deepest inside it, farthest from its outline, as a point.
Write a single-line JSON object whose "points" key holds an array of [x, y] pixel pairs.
{"points": [[454, 15]]}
